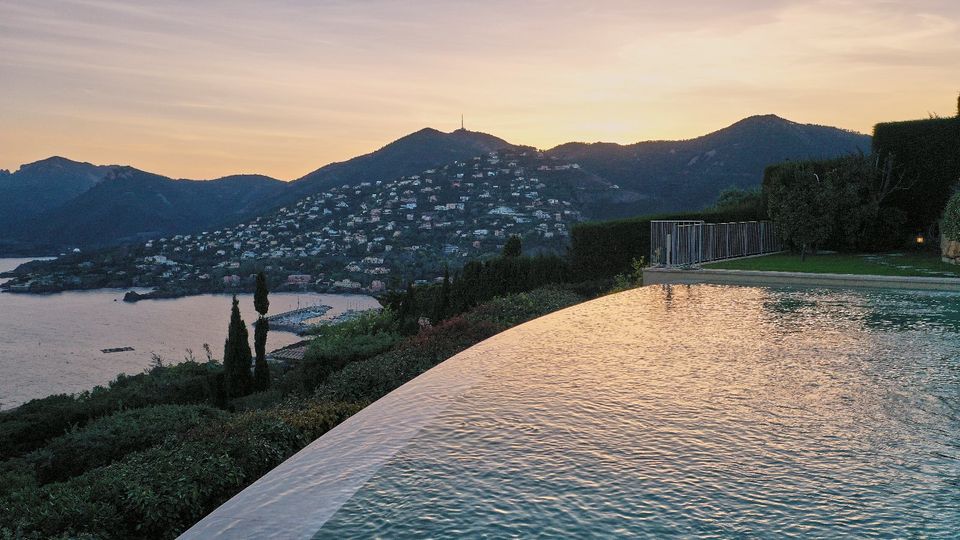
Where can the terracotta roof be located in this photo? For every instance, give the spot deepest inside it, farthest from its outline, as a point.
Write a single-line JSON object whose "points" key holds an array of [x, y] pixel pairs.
{"points": [[293, 353]]}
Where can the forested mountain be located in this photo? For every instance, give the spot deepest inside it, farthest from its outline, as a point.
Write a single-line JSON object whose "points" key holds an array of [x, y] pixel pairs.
{"points": [[78, 204], [43, 185], [129, 204], [664, 176], [407, 155]]}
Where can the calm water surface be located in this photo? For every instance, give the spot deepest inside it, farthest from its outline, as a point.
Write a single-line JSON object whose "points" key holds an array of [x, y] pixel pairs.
{"points": [[695, 411], [51, 343]]}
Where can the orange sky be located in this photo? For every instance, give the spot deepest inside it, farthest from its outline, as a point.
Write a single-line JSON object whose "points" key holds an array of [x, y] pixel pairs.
{"points": [[205, 89]]}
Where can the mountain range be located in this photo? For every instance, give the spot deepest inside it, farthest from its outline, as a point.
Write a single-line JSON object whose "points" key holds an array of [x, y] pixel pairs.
{"points": [[57, 203]]}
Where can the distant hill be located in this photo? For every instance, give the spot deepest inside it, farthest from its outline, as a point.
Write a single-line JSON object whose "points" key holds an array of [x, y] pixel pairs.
{"points": [[410, 154], [666, 176], [79, 204], [129, 204], [57, 203], [43, 185]]}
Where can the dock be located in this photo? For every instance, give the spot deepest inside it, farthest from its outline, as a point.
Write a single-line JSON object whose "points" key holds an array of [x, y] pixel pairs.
{"points": [[116, 349]]}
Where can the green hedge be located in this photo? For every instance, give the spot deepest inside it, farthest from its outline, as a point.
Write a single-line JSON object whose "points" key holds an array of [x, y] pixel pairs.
{"points": [[108, 439], [606, 248], [159, 492], [32, 424], [928, 151]]}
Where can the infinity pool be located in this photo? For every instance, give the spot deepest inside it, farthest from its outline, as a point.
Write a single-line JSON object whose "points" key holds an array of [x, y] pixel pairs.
{"points": [[700, 410]]}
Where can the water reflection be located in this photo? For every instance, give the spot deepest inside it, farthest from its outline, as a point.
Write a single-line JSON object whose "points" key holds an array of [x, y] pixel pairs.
{"points": [[692, 411]]}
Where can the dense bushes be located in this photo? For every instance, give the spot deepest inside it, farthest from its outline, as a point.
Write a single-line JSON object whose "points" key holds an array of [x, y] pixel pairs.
{"points": [[478, 282], [927, 152], [30, 425], [335, 346], [110, 438], [370, 379], [841, 203], [161, 491], [507, 311]]}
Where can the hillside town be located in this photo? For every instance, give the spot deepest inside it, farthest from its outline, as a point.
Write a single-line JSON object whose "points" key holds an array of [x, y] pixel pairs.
{"points": [[368, 237]]}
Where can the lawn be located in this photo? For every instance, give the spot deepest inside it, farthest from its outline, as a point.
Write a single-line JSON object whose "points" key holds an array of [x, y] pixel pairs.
{"points": [[882, 264]]}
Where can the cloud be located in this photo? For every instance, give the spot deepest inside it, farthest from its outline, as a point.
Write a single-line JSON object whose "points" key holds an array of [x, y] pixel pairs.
{"points": [[207, 88]]}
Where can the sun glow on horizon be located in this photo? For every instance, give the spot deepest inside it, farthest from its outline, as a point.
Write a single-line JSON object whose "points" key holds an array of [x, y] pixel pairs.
{"points": [[281, 88]]}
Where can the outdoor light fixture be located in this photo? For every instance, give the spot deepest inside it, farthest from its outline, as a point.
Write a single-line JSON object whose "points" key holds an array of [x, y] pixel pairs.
{"points": [[919, 239]]}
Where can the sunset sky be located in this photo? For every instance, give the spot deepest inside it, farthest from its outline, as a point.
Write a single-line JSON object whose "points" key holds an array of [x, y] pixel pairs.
{"points": [[204, 89]]}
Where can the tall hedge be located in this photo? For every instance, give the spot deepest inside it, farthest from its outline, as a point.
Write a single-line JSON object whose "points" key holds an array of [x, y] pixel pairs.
{"points": [[603, 249], [928, 151]]}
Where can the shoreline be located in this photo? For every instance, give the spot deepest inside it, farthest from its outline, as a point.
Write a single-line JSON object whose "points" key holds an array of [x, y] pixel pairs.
{"points": [[162, 294]]}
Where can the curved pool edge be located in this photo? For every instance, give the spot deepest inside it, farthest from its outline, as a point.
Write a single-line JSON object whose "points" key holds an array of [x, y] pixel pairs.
{"points": [[296, 498], [312, 491], [765, 278]]}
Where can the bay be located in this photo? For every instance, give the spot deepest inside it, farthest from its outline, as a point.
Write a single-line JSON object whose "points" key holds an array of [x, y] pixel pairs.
{"points": [[51, 344]]}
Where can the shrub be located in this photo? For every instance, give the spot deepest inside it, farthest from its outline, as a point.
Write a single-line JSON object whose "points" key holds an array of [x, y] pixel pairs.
{"points": [[108, 439], [951, 218], [160, 492], [507, 311], [32, 424], [335, 346], [370, 379]]}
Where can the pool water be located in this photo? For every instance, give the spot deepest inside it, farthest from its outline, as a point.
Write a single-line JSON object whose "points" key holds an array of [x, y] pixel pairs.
{"points": [[691, 411]]}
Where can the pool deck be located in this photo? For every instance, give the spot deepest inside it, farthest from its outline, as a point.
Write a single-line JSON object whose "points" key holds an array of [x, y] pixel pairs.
{"points": [[667, 276]]}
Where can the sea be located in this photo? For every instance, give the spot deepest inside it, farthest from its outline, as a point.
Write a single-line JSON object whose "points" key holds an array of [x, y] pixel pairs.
{"points": [[53, 343]]}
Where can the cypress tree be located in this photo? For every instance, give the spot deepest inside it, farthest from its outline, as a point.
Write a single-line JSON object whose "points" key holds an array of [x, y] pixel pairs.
{"points": [[236, 355], [261, 302], [408, 316], [442, 307], [261, 370], [513, 247]]}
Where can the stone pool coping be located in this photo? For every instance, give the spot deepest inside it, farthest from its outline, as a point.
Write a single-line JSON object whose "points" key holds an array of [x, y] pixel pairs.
{"points": [[667, 276]]}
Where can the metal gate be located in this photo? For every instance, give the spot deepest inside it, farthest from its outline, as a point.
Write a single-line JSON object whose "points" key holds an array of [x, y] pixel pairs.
{"points": [[690, 243]]}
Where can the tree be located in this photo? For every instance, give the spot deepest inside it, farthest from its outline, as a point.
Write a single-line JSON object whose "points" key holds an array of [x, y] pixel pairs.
{"points": [[261, 370], [951, 218], [407, 315], [261, 302], [735, 197], [442, 307], [802, 205], [513, 247], [236, 355], [862, 188]]}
